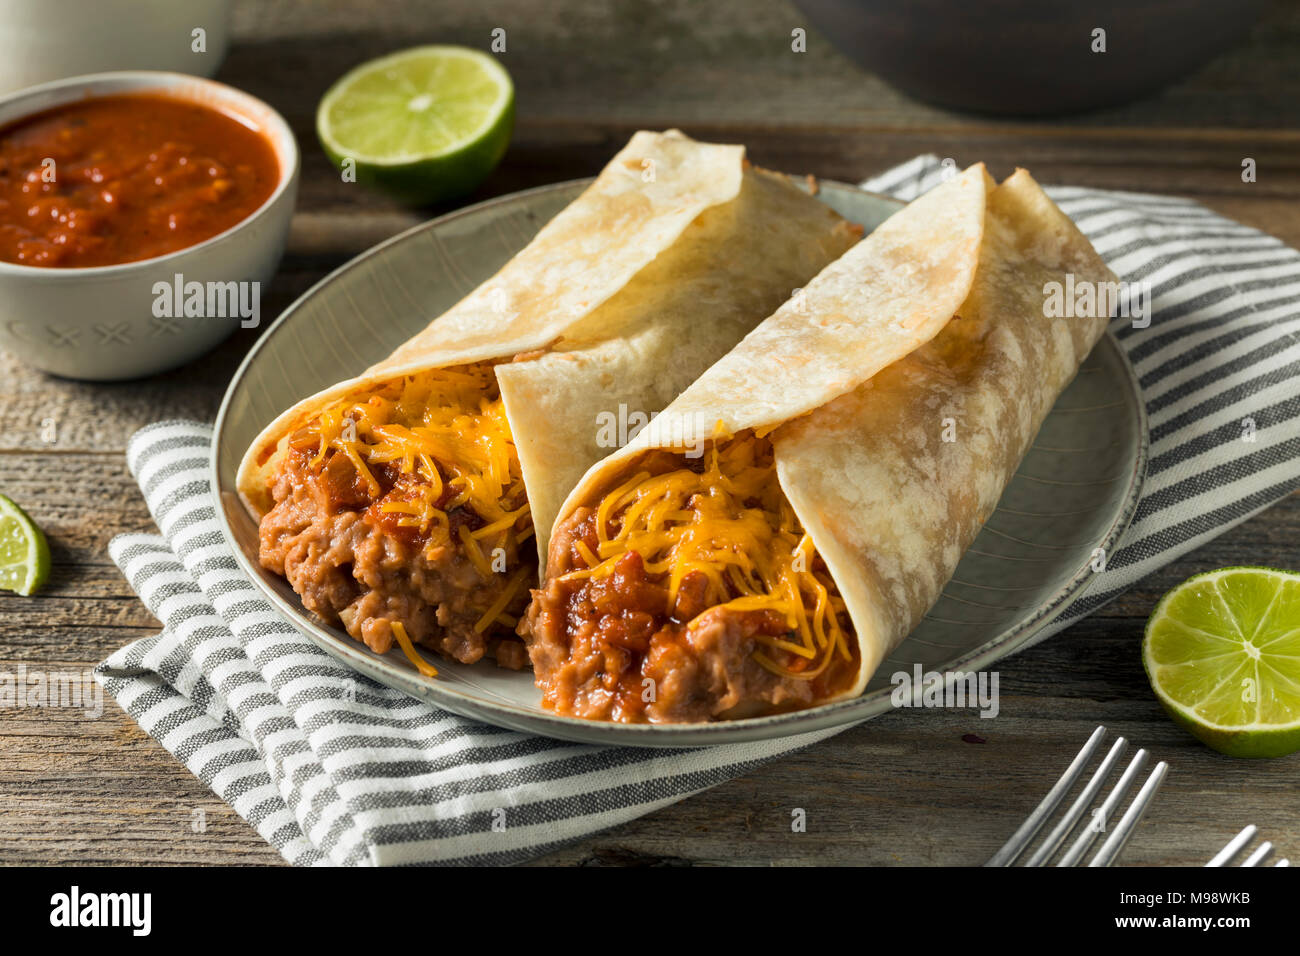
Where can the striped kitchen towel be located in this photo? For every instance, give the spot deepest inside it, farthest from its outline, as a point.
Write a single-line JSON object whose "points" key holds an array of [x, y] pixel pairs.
{"points": [[332, 768]]}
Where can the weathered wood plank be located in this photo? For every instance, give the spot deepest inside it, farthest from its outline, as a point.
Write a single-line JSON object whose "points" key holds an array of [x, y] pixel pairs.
{"points": [[84, 791]]}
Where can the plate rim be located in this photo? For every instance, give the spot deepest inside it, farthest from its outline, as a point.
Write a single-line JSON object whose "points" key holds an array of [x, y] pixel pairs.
{"points": [[839, 714]]}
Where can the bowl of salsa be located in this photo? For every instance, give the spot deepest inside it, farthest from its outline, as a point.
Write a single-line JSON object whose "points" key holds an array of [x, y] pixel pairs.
{"points": [[141, 216]]}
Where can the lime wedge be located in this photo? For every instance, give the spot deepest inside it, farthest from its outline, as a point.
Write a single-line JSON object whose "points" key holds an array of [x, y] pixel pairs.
{"points": [[1222, 652], [426, 124], [24, 554]]}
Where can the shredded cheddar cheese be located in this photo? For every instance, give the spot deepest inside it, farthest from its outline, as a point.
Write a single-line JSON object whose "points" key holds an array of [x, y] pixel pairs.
{"points": [[404, 641], [496, 613], [449, 428], [734, 525]]}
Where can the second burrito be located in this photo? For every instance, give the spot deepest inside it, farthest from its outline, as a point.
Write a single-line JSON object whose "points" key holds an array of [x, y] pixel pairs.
{"points": [[827, 512]]}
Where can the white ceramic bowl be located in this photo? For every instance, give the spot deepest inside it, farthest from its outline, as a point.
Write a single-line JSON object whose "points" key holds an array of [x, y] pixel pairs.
{"points": [[44, 40], [99, 322]]}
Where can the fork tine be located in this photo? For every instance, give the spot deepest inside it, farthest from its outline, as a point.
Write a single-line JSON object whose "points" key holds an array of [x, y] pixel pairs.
{"points": [[1029, 829], [1282, 862], [1262, 853], [1079, 807], [1119, 837], [1089, 833], [1234, 846]]}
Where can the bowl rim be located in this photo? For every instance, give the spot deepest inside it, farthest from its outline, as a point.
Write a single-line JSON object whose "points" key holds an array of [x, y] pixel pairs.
{"points": [[265, 119]]}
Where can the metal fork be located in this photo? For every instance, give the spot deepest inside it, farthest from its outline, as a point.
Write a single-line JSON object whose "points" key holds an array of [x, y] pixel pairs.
{"points": [[1116, 839], [1238, 843]]}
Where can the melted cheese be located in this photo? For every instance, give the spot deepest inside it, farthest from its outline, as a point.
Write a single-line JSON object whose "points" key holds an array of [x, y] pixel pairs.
{"points": [[733, 524], [449, 428]]}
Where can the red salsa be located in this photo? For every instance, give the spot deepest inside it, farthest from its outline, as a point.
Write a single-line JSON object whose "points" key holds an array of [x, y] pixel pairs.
{"points": [[121, 178]]}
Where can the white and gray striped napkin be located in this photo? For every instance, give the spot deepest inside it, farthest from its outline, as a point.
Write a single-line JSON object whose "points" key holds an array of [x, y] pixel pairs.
{"points": [[332, 768]]}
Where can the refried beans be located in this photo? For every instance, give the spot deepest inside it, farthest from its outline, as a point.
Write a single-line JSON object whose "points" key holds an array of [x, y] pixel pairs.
{"points": [[406, 505], [689, 593]]}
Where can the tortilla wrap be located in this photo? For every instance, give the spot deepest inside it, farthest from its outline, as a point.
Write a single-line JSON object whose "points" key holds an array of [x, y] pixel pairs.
{"points": [[935, 317], [407, 520], [661, 265]]}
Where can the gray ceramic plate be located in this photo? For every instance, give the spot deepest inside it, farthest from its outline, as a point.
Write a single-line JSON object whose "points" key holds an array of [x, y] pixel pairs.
{"points": [[1075, 490]]}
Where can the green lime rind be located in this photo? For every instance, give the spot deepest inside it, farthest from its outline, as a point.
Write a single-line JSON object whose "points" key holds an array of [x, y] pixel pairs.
{"points": [[433, 181], [24, 552], [424, 125], [1222, 653]]}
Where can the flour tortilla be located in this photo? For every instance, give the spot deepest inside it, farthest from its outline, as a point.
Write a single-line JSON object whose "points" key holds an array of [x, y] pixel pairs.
{"points": [[666, 261], [936, 315]]}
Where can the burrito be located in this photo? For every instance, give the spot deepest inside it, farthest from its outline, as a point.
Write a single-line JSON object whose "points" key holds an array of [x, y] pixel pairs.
{"points": [[791, 516], [400, 504]]}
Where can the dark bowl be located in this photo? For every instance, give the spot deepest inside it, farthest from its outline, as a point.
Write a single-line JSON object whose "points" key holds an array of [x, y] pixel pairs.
{"points": [[1030, 57]]}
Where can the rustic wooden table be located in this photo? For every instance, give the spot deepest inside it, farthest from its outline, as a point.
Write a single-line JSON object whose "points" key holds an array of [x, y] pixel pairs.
{"points": [[902, 789]]}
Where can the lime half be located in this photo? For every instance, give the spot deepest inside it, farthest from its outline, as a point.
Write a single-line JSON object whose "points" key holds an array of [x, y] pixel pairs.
{"points": [[24, 554], [1222, 651], [426, 124]]}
